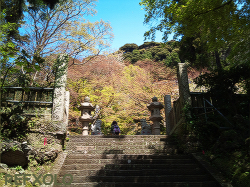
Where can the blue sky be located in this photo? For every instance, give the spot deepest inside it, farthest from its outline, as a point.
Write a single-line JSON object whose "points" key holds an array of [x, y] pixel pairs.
{"points": [[126, 18]]}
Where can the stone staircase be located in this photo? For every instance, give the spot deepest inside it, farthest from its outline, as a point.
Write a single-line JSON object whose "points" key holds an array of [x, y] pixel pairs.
{"points": [[125, 161]]}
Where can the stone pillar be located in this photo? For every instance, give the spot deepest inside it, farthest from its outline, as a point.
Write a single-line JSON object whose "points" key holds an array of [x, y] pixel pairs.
{"points": [[168, 107], [184, 92], [156, 117], [86, 117], [58, 110], [58, 104], [66, 114], [183, 83]]}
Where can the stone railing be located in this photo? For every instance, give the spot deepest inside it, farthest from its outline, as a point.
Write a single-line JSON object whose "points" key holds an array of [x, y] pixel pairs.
{"points": [[199, 102], [36, 101], [174, 114], [51, 103]]}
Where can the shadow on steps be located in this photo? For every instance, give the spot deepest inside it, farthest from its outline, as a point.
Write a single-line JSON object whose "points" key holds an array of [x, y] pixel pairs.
{"points": [[131, 161]]}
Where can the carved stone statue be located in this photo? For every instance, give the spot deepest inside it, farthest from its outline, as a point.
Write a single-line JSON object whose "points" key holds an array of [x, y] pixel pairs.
{"points": [[146, 128], [96, 128]]}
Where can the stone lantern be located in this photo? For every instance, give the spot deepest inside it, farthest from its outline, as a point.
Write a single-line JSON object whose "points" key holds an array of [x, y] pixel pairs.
{"points": [[86, 117], [156, 117]]}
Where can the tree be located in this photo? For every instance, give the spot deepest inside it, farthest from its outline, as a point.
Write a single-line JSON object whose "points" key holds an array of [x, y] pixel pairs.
{"points": [[123, 92], [152, 50], [128, 47], [10, 55], [217, 23], [217, 31], [15, 9], [65, 30], [49, 32]]}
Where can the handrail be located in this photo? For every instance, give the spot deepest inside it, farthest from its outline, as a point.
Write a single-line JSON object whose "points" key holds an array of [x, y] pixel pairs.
{"points": [[218, 111], [39, 102], [31, 88]]}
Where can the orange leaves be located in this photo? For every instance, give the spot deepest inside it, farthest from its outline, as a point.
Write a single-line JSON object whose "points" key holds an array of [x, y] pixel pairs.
{"points": [[123, 92]]}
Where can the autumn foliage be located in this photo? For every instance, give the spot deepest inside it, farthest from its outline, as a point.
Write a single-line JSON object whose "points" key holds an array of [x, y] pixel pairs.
{"points": [[122, 91]]}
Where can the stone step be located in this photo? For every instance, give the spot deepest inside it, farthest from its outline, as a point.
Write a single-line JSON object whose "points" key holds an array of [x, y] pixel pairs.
{"points": [[120, 137], [126, 151], [120, 147], [122, 156], [161, 178], [130, 139], [146, 184], [89, 140], [127, 166], [137, 161], [142, 172], [124, 161], [117, 143]]}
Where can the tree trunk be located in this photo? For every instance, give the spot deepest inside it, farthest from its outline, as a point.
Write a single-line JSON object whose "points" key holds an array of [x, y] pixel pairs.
{"points": [[218, 62]]}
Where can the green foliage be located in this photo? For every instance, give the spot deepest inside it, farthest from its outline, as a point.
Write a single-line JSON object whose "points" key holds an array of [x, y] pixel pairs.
{"points": [[172, 59], [147, 45], [128, 47], [224, 93], [185, 18], [14, 125], [16, 8], [14, 148], [19, 168], [193, 50], [7, 48], [60, 66], [213, 34], [16, 69], [167, 53], [122, 96]]}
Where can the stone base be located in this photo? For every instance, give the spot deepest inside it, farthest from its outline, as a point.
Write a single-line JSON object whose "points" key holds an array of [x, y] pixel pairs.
{"points": [[96, 133], [146, 132]]}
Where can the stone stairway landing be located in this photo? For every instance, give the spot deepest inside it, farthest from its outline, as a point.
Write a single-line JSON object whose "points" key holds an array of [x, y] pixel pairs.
{"points": [[117, 161]]}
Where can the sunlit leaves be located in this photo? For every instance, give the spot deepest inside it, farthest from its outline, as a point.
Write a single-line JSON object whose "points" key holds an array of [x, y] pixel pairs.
{"points": [[122, 93], [65, 30], [87, 37], [218, 21]]}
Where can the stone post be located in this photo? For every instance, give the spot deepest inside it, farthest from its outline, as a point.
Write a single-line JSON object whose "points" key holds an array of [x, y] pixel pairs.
{"points": [[66, 114], [156, 117], [184, 92], [168, 107], [58, 111], [183, 83], [86, 117]]}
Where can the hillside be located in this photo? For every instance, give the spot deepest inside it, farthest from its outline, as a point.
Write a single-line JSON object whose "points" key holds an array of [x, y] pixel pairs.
{"points": [[121, 89]]}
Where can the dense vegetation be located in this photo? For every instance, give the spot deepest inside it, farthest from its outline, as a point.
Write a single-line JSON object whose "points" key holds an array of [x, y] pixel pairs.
{"points": [[214, 34], [30, 31], [122, 91], [166, 53]]}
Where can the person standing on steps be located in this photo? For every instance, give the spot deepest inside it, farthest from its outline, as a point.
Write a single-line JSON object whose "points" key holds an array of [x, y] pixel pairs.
{"points": [[115, 129]]}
